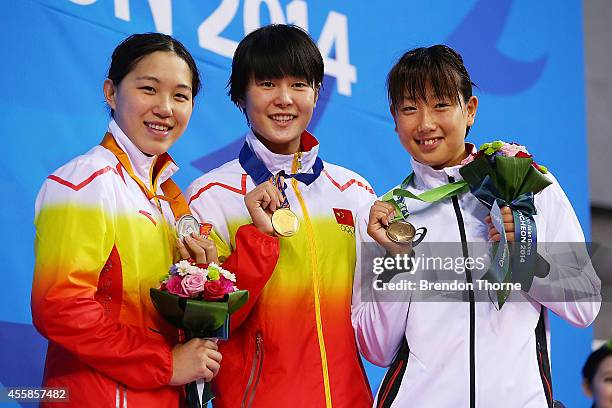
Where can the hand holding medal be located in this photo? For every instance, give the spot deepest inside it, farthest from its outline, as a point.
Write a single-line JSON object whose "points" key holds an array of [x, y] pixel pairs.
{"points": [[192, 241], [395, 236], [262, 202]]}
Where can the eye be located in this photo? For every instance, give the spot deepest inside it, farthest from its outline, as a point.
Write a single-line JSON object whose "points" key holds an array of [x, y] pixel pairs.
{"points": [[147, 89], [300, 85], [181, 97], [442, 105], [408, 109], [266, 84]]}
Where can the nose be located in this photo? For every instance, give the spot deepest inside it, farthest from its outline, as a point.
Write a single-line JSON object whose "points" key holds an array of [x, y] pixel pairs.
{"points": [[163, 106], [427, 122], [283, 96]]}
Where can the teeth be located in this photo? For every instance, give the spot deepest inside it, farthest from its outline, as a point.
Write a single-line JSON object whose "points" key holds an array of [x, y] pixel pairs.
{"points": [[282, 118], [157, 127], [427, 142]]}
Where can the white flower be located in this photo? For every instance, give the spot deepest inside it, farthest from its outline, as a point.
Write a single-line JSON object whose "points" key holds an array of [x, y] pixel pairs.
{"points": [[183, 267], [228, 275]]}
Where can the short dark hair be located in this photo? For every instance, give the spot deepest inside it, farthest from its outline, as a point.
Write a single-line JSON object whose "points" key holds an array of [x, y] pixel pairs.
{"points": [[274, 51], [594, 360], [438, 66], [137, 46]]}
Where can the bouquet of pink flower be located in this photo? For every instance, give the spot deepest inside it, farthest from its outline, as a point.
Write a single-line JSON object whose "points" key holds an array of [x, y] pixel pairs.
{"points": [[505, 174], [202, 282], [199, 299]]}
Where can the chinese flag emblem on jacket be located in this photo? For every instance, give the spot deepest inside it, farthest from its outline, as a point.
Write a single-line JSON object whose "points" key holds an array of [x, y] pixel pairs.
{"points": [[344, 218]]}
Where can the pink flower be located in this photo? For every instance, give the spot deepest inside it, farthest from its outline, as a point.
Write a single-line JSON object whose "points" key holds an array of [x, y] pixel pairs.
{"points": [[216, 289], [193, 284], [512, 149], [174, 286]]}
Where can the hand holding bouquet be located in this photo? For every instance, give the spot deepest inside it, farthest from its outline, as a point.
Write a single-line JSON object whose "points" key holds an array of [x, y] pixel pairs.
{"points": [[504, 174], [199, 299]]}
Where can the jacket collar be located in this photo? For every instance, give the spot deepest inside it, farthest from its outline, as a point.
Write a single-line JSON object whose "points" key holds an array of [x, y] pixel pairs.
{"points": [[426, 177], [143, 165], [309, 147]]}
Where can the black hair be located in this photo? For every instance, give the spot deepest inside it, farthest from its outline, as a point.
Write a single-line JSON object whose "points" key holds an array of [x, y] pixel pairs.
{"points": [[594, 360], [438, 66], [274, 51], [137, 46]]}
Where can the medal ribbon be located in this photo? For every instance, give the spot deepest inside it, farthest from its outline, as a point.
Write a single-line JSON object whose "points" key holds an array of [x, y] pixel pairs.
{"points": [[173, 194], [396, 196], [260, 173], [280, 184]]}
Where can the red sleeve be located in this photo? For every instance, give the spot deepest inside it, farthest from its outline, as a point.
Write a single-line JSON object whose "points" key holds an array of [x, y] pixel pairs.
{"points": [[253, 262]]}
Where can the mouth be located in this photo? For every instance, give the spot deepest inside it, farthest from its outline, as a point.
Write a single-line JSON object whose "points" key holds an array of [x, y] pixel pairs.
{"points": [[282, 119], [429, 144], [157, 127]]}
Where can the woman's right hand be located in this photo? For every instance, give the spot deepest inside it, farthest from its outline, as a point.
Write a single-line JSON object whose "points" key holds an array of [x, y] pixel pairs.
{"points": [[194, 360], [381, 214], [261, 202], [199, 248]]}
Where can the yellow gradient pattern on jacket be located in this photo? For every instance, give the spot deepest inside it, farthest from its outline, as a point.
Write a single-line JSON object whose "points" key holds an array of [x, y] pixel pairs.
{"points": [[73, 243]]}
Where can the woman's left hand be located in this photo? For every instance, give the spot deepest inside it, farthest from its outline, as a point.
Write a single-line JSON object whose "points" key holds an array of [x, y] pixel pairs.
{"points": [[508, 226], [199, 248]]}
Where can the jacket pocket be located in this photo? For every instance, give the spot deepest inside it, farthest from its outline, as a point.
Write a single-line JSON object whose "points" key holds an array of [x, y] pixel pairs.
{"points": [[255, 374]]}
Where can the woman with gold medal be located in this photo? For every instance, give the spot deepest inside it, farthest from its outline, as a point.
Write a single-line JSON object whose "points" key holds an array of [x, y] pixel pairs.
{"points": [[292, 344]]}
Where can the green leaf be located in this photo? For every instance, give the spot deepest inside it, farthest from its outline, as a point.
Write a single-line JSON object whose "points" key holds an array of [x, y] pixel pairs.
{"points": [[203, 317], [534, 182], [236, 300], [476, 170], [169, 306], [511, 172], [198, 318]]}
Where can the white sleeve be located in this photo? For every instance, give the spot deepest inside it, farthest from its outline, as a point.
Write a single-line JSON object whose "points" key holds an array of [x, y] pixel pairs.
{"points": [[572, 289], [379, 322]]}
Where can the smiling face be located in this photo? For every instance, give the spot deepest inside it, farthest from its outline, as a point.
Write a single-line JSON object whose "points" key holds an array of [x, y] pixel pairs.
{"points": [[601, 388], [279, 111], [153, 103], [433, 131]]}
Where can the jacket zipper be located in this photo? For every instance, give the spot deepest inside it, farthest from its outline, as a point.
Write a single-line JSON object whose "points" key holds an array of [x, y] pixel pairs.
{"points": [[296, 166], [542, 356], [468, 277], [121, 396], [256, 365]]}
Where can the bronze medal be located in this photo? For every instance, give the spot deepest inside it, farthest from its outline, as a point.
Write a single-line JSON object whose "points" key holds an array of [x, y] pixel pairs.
{"points": [[285, 222], [401, 232]]}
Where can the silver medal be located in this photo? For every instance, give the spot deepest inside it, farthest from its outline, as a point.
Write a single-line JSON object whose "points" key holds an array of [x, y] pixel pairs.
{"points": [[186, 225]]}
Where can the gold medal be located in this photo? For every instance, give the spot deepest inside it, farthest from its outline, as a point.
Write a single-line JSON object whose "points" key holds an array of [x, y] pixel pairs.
{"points": [[401, 232], [285, 222]]}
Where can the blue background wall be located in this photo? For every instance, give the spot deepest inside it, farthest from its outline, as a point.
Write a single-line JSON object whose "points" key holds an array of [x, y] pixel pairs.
{"points": [[526, 57]]}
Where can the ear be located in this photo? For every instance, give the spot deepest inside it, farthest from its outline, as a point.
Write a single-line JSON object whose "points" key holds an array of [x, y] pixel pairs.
{"points": [[586, 388], [471, 107], [110, 93], [316, 94], [242, 104], [393, 113]]}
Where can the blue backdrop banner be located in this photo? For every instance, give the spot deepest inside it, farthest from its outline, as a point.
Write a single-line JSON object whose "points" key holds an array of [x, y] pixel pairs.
{"points": [[526, 58]]}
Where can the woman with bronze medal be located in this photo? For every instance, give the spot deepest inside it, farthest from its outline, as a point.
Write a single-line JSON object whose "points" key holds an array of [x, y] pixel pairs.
{"points": [[454, 349], [105, 234], [292, 344]]}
